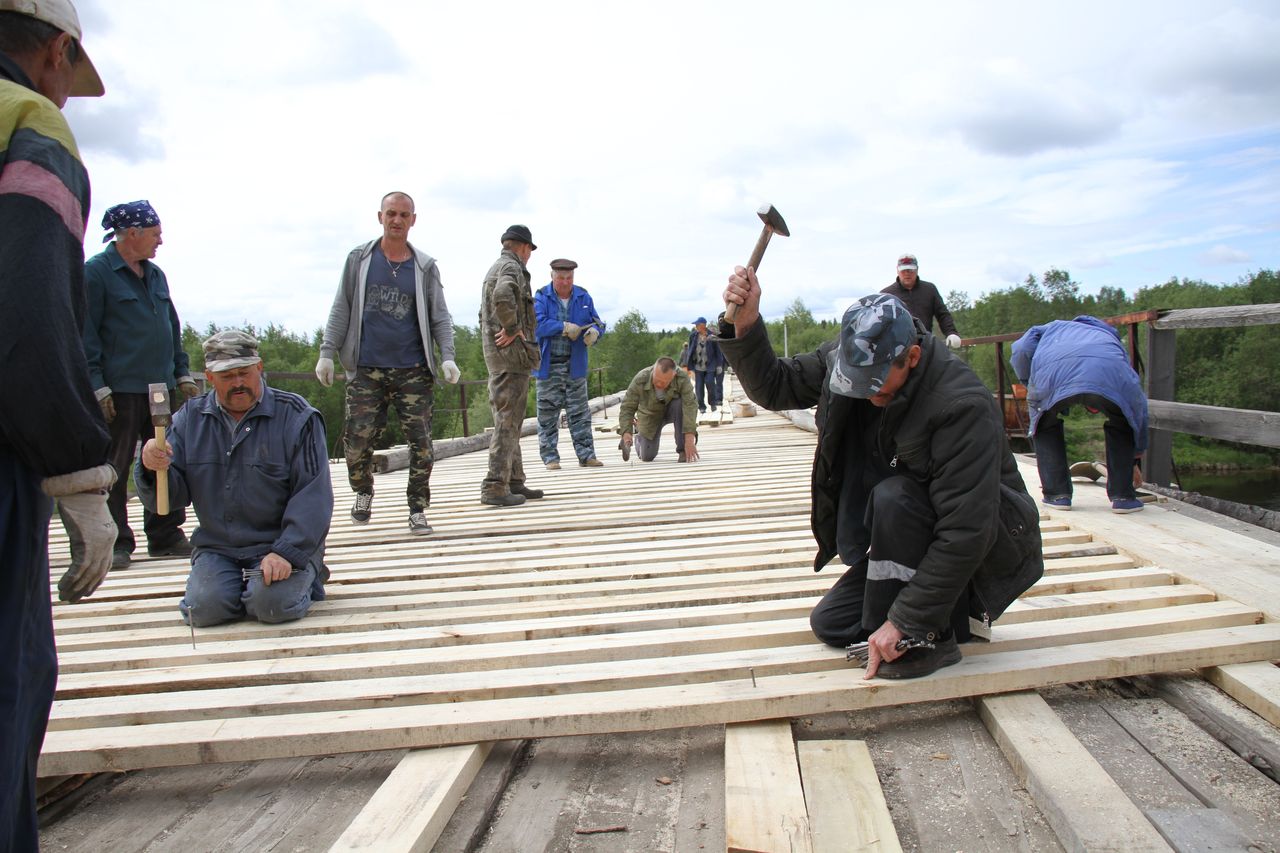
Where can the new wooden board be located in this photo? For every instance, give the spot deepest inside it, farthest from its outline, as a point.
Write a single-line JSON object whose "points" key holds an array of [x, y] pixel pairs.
{"points": [[764, 807], [847, 809]]}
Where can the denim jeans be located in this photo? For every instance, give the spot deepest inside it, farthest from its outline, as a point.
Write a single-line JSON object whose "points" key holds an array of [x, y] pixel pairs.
{"points": [[1051, 449], [221, 589]]}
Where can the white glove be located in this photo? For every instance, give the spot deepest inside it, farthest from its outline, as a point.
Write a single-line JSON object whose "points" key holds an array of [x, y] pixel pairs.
{"points": [[953, 341], [324, 371], [82, 506], [591, 335], [450, 372], [572, 330]]}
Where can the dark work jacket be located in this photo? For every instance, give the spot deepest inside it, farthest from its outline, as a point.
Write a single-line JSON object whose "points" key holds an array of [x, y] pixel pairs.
{"points": [[924, 302], [942, 429]]}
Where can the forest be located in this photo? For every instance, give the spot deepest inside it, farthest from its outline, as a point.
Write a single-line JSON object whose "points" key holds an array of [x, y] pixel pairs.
{"points": [[1239, 368]]}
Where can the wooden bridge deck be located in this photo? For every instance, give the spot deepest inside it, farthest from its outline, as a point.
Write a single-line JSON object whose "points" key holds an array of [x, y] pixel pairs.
{"points": [[633, 598]]}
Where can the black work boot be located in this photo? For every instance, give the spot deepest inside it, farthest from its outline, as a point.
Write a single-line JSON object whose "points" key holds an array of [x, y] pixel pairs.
{"points": [[522, 489], [502, 500], [915, 663]]}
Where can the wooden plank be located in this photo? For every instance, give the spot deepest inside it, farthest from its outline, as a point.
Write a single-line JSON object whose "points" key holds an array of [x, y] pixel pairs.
{"points": [[1246, 426], [764, 805], [647, 709], [1219, 317], [1083, 804], [847, 808], [411, 808], [1244, 732], [1254, 685]]}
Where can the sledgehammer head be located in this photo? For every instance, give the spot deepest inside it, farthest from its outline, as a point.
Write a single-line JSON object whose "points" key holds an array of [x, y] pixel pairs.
{"points": [[773, 220], [158, 397]]}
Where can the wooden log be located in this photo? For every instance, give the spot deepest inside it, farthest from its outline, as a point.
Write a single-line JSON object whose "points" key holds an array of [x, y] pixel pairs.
{"points": [[764, 806], [847, 809], [411, 808], [647, 709], [1219, 317], [1082, 803]]}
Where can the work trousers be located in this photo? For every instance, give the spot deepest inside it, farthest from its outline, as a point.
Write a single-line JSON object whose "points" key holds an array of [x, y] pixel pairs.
{"points": [[131, 424], [508, 397], [375, 390], [647, 447], [901, 519], [222, 589], [560, 392], [28, 662], [708, 388], [1051, 448]]}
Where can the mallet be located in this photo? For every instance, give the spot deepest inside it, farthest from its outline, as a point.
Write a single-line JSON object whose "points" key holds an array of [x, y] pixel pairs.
{"points": [[161, 417], [773, 223]]}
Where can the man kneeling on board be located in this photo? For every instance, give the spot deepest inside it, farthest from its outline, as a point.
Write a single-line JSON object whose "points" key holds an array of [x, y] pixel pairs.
{"points": [[254, 463], [914, 486]]}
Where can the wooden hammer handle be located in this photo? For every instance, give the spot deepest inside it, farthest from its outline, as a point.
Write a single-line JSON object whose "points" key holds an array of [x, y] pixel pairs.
{"points": [[757, 254], [162, 477]]}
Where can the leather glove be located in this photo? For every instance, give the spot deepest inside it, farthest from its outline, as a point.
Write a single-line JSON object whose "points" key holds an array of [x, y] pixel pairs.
{"points": [[953, 341], [324, 371], [82, 506], [188, 388], [591, 335], [450, 372], [572, 330], [108, 407]]}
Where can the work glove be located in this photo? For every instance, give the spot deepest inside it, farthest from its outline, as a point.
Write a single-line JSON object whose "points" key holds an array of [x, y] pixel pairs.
{"points": [[591, 335], [953, 341], [450, 372], [324, 371], [108, 407], [188, 387], [572, 330], [82, 506], [719, 371]]}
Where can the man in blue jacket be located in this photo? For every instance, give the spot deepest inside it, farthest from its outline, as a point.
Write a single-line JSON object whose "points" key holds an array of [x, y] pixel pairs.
{"points": [[1082, 361], [253, 462], [703, 356], [132, 338], [567, 325]]}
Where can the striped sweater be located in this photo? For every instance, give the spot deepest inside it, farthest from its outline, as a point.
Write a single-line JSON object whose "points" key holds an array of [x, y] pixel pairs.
{"points": [[49, 418]]}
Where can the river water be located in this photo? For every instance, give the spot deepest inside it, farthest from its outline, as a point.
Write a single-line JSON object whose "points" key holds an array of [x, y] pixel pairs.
{"points": [[1260, 488]]}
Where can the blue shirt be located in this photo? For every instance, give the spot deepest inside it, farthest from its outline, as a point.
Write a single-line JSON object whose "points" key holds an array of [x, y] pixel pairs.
{"points": [[259, 485], [389, 336]]}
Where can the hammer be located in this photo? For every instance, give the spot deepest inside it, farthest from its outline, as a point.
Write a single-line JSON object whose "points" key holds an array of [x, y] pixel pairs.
{"points": [[161, 417], [773, 222]]}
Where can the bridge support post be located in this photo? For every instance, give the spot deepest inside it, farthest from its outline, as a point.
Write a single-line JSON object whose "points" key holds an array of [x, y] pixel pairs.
{"points": [[1157, 466]]}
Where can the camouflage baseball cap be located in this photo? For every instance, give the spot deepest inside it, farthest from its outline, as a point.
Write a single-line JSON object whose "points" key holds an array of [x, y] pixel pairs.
{"points": [[230, 349], [875, 330]]}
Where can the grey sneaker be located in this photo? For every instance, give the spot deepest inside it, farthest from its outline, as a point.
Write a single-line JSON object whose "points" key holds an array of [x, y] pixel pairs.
{"points": [[418, 524], [362, 508], [553, 465]]}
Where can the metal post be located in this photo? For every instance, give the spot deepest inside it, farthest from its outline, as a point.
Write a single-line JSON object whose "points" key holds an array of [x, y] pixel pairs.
{"points": [[1157, 466], [462, 396], [1000, 377]]}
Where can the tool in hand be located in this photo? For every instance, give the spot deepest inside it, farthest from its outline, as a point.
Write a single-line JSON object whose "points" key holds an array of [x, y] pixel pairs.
{"points": [[861, 651], [773, 223], [161, 417]]}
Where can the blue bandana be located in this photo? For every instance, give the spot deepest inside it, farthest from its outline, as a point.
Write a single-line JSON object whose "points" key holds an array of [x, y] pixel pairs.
{"points": [[133, 214]]}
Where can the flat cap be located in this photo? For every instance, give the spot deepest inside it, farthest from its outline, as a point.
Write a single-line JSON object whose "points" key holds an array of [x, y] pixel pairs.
{"points": [[564, 264]]}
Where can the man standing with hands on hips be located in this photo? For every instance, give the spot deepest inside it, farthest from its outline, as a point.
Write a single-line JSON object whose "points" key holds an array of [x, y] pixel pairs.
{"points": [[386, 319], [567, 325], [132, 339]]}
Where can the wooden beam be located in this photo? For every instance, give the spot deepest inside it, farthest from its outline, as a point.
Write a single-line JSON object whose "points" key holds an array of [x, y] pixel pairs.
{"points": [[1082, 803], [1254, 685], [647, 709], [1221, 317], [411, 808], [1246, 426], [847, 809], [764, 805]]}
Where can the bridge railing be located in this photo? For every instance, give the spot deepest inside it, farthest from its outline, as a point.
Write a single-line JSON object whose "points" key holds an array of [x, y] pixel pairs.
{"points": [[1166, 416]]}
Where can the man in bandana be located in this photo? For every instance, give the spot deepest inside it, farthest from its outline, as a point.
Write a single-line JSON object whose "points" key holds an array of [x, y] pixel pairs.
{"points": [[253, 462], [132, 339], [914, 487]]}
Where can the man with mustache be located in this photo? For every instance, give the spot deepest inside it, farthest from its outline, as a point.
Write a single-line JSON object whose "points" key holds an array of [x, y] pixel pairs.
{"points": [[252, 460]]}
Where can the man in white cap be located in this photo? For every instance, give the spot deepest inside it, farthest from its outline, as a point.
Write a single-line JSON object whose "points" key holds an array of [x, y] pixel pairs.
{"points": [[922, 299], [53, 440]]}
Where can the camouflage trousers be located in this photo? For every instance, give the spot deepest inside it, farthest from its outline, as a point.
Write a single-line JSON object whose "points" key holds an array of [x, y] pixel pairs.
{"points": [[508, 396], [369, 396], [558, 391]]}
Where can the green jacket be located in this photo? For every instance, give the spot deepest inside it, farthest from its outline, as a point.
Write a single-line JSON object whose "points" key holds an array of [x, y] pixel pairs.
{"points": [[642, 404], [507, 303]]}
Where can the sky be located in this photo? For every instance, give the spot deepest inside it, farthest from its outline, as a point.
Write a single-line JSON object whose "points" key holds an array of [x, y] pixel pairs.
{"points": [[1126, 142]]}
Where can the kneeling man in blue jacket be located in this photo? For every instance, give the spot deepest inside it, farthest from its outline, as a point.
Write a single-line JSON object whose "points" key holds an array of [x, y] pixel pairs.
{"points": [[254, 463], [1082, 362]]}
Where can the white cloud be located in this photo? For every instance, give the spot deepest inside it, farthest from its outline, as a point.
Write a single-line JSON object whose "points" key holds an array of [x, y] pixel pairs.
{"points": [[1222, 254]]}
